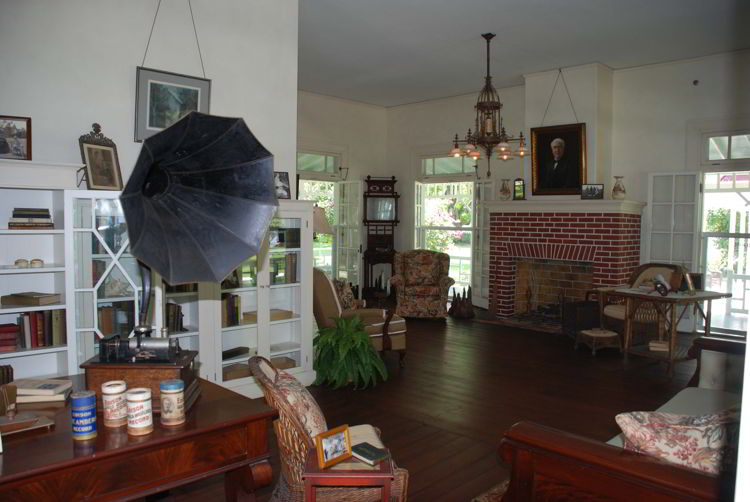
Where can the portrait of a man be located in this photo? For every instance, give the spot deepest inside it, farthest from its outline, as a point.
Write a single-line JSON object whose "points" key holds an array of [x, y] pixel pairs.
{"points": [[558, 159]]}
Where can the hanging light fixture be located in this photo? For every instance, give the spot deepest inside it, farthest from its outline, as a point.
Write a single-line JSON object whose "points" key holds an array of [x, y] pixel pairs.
{"points": [[489, 133]]}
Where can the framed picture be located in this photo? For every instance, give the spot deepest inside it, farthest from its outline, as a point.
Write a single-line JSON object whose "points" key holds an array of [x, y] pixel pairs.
{"points": [[558, 159], [281, 181], [15, 137], [589, 191], [519, 189], [162, 98], [99, 153], [333, 446]]}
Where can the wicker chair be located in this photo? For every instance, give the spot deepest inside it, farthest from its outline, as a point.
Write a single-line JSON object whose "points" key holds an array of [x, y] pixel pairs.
{"points": [[300, 420], [612, 308]]}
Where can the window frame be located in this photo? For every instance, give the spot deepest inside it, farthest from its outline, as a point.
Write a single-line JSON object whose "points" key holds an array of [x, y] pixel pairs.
{"points": [[317, 175], [728, 164]]}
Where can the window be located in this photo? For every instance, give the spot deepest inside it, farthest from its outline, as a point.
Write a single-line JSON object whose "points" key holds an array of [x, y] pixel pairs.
{"points": [[437, 166], [322, 193], [317, 163], [734, 146]]}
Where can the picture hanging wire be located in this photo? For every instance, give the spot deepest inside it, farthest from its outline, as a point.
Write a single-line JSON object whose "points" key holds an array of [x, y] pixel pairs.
{"points": [[559, 74], [195, 31]]}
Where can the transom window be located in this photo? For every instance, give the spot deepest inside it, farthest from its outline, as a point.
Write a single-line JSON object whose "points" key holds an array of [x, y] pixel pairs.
{"points": [[732, 146], [317, 163], [437, 166]]}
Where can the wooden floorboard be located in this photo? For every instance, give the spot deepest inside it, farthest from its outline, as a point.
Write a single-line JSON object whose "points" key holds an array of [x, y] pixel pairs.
{"points": [[443, 415]]}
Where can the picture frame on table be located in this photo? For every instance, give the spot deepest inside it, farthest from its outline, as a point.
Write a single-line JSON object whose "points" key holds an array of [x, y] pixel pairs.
{"points": [[592, 191], [102, 165], [15, 137], [281, 182], [162, 98], [558, 159], [333, 446]]}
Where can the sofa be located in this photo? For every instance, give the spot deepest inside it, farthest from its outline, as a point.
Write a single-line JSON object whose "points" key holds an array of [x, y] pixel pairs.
{"points": [[422, 283], [547, 464]]}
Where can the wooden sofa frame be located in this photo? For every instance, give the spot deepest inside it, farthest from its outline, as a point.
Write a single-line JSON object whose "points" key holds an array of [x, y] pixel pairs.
{"points": [[547, 464]]}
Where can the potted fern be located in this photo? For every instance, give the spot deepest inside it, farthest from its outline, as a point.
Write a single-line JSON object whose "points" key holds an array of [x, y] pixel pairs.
{"points": [[344, 354]]}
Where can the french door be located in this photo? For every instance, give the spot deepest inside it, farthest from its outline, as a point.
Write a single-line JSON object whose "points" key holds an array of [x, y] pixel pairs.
{"points": [[348, 231], [484, 191]]}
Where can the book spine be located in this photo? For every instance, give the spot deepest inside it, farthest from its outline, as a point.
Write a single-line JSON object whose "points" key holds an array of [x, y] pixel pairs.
{"points": [[33, 329], [29, 220], [27, 331], [40, 328], [48, 328]]}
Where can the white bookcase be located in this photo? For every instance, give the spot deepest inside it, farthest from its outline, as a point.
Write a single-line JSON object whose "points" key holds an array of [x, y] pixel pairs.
{"points": [[35, 184]]}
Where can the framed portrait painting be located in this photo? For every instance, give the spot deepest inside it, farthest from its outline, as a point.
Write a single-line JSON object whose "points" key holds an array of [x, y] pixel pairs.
{"points": [[281, 182], [162, 98], [15, 137], [333, 446], [558, 159], [99, 154]]}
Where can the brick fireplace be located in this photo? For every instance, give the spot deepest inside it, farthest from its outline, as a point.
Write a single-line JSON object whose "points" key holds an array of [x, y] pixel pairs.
{"points": [[602, 233]]}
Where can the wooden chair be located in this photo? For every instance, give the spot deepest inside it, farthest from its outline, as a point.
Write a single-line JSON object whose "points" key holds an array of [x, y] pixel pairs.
{"points": [[300, 420]]}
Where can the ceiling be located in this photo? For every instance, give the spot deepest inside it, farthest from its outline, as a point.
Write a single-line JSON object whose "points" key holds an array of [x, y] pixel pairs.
{"points": [[393, 52]]}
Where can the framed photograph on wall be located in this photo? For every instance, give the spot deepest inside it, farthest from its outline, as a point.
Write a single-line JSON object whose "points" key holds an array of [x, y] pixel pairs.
{"points": [[15, 137], [333, 446], [589, 191], [99, 153], [281, 181], [558, 159], [162, 98]]}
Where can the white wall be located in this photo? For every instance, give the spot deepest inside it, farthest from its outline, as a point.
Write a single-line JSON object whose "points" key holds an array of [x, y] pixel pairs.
{"points": [[356, 131], [67, 64], [655, 107]]}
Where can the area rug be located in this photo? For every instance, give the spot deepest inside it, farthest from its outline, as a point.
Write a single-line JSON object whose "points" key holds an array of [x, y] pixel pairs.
{"points": [[494, 494]]}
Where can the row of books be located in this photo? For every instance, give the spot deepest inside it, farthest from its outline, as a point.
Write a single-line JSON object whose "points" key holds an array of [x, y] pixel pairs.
{"points": [[30, 218], [174, 318], [231, 310], [117, 318], [34, 330], [40, 390], [284, 269]]}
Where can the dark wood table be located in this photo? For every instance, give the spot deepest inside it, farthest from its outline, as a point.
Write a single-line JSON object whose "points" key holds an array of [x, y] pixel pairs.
{"points": [[667, 307], [351, 473], [225, 432]]}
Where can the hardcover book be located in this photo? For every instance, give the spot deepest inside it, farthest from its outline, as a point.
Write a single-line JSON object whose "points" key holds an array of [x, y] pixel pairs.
{"points": [[38, 398], [41, 386], [369, 454], [30, 298]]}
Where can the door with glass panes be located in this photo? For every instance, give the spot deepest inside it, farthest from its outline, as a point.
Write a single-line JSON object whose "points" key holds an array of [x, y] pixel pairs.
{"points": [[348, 225]]}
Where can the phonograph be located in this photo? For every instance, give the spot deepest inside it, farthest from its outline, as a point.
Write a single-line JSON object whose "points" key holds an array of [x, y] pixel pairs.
{"points": [[198, 203]]}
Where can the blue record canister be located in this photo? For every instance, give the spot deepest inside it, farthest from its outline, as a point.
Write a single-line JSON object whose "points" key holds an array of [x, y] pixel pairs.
{"points": [[83, 404]]}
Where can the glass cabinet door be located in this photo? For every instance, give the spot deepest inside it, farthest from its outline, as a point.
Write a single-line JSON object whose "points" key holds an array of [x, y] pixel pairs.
{"points": [[106, 276]]}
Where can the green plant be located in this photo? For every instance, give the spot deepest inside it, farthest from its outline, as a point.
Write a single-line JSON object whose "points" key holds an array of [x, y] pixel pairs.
{"points": [[344, 354]]}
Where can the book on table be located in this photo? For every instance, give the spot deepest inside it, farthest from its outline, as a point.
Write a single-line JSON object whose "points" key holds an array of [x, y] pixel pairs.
{"points": [[369, 454], [39, 398], [41, 386], [30, 298]]}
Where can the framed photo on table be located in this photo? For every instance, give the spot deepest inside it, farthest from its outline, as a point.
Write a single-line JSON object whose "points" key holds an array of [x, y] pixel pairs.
{"points": [[590, 191], [558, 159], [15, 137], [162, 98], [333, 446], [99, 154]]}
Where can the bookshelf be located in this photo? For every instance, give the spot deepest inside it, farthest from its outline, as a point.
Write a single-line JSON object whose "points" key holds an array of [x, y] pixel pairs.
{"points": [[42, 185], [265, 307]]}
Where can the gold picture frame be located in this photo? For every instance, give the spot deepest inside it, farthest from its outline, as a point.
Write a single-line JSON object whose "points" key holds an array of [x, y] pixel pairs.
{"points": [[333, 446], [99, 154]]}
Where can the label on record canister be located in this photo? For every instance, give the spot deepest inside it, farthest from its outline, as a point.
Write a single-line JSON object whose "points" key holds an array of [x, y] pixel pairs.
{"points": [[83, 405], [140, 418]]}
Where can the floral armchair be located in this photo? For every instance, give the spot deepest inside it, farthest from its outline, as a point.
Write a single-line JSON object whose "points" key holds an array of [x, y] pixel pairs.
{"points": [[421, 281]]}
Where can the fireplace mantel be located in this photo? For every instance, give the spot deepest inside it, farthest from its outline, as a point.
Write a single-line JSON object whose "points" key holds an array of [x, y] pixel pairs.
{"points": [[566, 206]]}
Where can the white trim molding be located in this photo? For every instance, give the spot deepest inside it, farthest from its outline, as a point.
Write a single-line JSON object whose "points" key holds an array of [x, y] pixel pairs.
{"points": [[566, 206]]}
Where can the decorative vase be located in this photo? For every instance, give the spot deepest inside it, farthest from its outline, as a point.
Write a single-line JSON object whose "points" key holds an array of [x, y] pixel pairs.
{"points": [[505, 192], [618, 191]]}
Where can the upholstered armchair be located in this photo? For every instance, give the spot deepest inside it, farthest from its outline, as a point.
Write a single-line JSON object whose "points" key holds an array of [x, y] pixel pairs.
{"points": [[300, 420], [421, 281], [387, 331], [612, 308]]}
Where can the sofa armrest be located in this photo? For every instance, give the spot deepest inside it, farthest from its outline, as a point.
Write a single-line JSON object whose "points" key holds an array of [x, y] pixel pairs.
{"points": [[551, 465], [719, 347], [445, 283], [364, 314]]}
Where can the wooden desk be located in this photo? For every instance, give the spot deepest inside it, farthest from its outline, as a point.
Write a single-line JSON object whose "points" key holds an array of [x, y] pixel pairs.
{"points": [[224, 433], [667, 307], [343, 475]]}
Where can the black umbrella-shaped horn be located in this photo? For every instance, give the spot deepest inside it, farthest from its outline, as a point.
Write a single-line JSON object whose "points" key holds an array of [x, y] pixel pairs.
{"points": [[200, 199]]}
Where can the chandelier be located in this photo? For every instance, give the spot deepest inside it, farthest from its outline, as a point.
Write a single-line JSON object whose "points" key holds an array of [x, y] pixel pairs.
{"points": [[489, 133]]}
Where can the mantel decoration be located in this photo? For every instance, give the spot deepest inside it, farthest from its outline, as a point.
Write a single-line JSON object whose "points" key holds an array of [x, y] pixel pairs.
{"points": [[102, 167], [489, 133]]}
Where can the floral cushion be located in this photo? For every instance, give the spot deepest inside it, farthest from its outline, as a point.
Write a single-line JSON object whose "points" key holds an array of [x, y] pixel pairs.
{"points": [[344, 292], [707, 443], [302, 401], [421, 268]]}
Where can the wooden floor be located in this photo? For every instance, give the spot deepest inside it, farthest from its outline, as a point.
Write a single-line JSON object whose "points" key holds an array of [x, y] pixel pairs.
{"points": [[443, 415]]}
